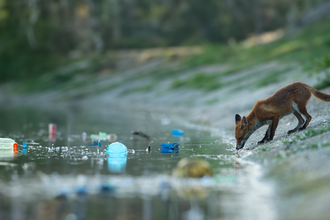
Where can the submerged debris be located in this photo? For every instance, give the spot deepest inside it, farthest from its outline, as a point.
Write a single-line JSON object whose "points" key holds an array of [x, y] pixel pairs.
{"points": [[141, 134], [191, 167]]}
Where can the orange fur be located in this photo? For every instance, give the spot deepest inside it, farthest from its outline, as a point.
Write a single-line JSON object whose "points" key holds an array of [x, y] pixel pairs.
{"points": [[290, 99]]}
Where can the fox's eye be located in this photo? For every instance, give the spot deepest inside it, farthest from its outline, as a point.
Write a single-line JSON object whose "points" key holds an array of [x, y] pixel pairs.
{"points": [[240, 138]]}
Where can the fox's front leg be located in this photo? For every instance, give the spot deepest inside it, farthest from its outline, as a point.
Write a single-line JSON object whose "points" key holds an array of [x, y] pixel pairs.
{"points": [[267, 135], [270, 130]]}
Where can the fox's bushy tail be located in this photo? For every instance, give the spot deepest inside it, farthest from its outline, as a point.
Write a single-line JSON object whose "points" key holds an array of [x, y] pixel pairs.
{"points": [[319, 95]]}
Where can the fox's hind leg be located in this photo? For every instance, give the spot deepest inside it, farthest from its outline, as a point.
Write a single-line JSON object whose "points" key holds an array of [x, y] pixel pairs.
{"points": [[301, 109], [300, 122], [308, 118]]}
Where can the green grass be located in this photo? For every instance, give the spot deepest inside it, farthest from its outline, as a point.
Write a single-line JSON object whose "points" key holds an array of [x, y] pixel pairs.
{"points": [[203, 81], [311, 43], [307, 134], [271, 77], [303, 136]]}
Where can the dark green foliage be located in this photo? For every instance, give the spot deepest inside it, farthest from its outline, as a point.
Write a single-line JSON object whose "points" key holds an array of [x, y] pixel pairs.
{"points": [[36, 37]]}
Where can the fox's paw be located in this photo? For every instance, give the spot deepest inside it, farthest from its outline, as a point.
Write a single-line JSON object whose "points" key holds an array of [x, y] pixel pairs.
{"points": [[261, 142], [291, 131], [264, 141]]}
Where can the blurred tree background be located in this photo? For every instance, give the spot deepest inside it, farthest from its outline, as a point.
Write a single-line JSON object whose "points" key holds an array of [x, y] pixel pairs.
{"points": [[37, 36]]}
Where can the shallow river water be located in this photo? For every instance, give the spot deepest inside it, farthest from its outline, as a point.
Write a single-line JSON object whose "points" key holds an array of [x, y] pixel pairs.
{"points": [[69, 179]]}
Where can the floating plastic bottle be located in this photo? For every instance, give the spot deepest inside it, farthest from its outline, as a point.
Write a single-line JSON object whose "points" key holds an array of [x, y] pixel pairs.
{"points": [[52, 132], [116, 150], [102, 136], [112, 137], [84, 136], [177, 132], [7, 144]]}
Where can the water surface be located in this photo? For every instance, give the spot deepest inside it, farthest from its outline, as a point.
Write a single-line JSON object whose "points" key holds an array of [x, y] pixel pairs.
{"points": [[69, 179]]}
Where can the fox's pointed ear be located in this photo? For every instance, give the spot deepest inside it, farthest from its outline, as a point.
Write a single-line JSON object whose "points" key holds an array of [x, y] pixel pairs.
{"points": [[244, 122], [237, 118]]}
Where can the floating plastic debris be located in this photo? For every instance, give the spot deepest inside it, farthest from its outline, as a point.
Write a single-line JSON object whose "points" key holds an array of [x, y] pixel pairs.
{"points": [[8, 144], [116, 150], [112, 137], [117, 157], [84, 136], [141, 134], [131, 151], [117, 164], [188, 167], [177, 132], [96, 143], [52, 132], [102, 136], [170, 148]]}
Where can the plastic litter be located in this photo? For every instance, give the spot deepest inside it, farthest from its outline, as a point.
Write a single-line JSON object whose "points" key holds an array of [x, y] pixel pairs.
{"points": [[96, 143], [117, 157], [116, 150], [52, 132], [8, 144], [117, 164], [103, 136], [170, 148], [141, 134], [177, 132], [84, 136], [112, 137]]}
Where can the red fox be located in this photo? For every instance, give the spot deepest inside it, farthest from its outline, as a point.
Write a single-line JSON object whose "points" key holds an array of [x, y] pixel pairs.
{"points": [[289, 99]]}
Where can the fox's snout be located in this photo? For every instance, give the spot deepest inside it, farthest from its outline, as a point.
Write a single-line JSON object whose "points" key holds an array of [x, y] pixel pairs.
{"points": [[240, 146]]}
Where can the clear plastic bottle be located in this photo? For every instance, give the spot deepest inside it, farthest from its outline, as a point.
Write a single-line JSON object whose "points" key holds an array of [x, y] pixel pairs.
{"points": [[7, 144]]}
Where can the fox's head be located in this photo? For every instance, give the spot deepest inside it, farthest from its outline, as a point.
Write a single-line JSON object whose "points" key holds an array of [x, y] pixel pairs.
{"points": [[242, 132]]}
